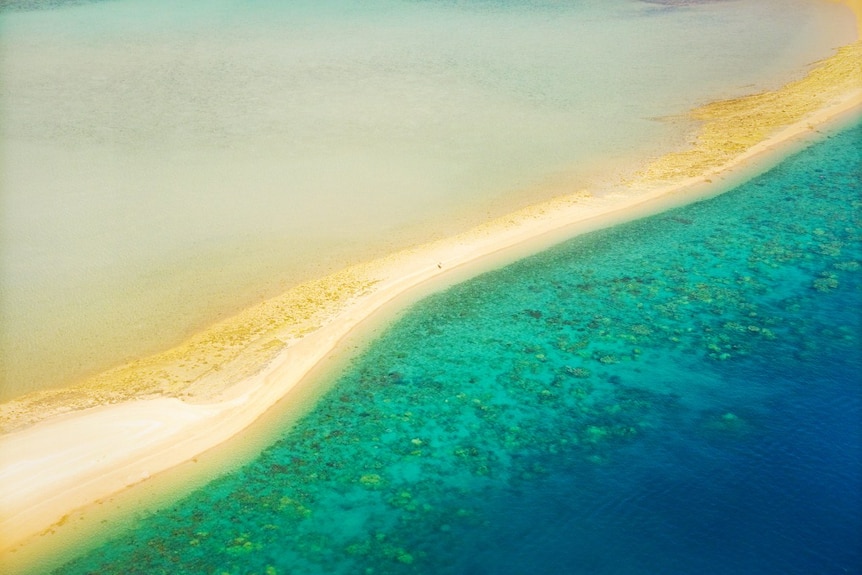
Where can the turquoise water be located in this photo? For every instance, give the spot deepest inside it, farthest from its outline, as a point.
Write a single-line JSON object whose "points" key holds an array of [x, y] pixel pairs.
{"points": [[676, 395], [166, 164]]}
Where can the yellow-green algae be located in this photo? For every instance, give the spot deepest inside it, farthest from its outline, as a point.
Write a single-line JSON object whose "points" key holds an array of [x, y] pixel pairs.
{"points": [[730, 127], [207, 363]]}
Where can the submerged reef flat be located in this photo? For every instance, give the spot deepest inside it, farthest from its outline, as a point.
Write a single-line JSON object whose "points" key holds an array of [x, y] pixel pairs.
{"points": [[673, 395]]}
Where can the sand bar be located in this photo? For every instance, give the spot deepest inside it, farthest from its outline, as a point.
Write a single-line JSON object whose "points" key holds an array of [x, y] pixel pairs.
{"points": [[64, 449]]}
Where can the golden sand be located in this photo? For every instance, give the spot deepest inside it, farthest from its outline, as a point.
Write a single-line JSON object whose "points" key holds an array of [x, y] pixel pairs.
{"points": [[207, 363], [730, 127]]}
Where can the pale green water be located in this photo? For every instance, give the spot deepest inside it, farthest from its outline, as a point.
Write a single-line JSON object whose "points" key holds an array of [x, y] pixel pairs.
{"points": [[164, 164]]}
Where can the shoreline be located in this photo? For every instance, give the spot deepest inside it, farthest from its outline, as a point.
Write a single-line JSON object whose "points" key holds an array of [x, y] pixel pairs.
{"points": [[64, 462]]}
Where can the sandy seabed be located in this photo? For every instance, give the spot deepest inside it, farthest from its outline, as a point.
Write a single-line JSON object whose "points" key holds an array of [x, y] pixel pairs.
{"points": [[62, 450]]}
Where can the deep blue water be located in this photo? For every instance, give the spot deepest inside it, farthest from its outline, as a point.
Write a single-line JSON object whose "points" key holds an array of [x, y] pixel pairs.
{"points": [[677, 395]]}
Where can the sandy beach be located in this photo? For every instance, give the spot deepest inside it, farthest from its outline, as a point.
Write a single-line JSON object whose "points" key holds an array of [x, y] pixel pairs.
{"points": [[62, 450]]}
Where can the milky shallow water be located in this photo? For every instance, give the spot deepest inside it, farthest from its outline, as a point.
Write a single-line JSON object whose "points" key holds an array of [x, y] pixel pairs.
{"points": [[165, 164]]}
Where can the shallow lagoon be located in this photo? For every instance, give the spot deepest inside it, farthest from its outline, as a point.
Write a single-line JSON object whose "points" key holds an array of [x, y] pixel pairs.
{"points": [[676, 395], [167, 164]]}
